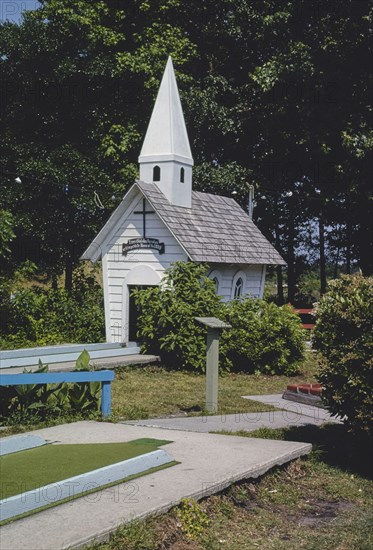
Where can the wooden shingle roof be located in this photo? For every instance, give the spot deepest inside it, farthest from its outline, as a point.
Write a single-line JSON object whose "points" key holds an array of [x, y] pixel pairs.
{"points": [[215, 230]]}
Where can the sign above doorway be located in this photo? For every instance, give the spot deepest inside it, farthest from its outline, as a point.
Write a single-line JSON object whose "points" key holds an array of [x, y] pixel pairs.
{"points": [[142, 242]]}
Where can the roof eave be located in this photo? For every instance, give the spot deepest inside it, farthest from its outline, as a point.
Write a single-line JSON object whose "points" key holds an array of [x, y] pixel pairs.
{"points": [[94, 251]]}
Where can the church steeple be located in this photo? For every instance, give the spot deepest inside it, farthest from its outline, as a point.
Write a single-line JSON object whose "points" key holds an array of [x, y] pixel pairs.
{"points": [[165, 157]]}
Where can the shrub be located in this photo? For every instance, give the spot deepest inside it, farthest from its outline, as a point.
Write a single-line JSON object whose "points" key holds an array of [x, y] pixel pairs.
{"points": [[167, 325], [264, 337], [38, 316], [343, 336]]}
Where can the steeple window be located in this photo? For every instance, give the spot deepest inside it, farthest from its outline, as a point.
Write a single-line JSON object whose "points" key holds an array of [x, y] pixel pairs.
{"points": [[156, 173]]}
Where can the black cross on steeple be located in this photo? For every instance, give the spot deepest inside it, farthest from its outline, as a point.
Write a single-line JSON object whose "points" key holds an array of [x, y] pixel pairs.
{"points": [[144, 212]]}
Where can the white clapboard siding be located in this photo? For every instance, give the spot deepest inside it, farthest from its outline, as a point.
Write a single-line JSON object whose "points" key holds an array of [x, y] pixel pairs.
{"points": [[252, 279], [118, 267]]}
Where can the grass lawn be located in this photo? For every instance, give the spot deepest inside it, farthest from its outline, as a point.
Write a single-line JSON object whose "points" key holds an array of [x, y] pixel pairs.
{"points": [[26, 470], [324, 501], [146, 392]]}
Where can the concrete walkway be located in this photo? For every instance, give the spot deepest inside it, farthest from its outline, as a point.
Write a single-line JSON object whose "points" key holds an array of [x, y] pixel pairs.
{"points": [[208, 464], [291, 415]]}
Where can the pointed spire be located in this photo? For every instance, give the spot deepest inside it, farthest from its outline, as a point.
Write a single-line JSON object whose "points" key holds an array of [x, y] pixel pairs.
{"points": [[167, 137]]}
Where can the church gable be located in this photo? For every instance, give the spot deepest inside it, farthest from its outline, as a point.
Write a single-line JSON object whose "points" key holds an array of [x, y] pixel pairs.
{"points": [[143, 237]]}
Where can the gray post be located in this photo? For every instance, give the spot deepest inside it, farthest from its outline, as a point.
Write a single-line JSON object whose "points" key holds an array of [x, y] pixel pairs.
{"points": [[212, 369], [214, 328]]}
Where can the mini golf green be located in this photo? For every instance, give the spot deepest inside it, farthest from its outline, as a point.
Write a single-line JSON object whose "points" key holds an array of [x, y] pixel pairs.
{"points": [[33, 468]]}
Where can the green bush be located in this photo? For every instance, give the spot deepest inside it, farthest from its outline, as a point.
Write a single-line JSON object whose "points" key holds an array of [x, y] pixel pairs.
{"points": [[264, 337], [166, 322], [31, 403], [344, 337], [39, 316]]}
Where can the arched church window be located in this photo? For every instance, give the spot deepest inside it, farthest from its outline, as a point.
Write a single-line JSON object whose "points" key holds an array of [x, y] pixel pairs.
{"points": [[238, 285], [156, 173], [238, 288], [182, 175], [216, 281]]}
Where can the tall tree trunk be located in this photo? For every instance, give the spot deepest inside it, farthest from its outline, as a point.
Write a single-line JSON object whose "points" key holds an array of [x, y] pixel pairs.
{"points": [[69, 251], [322, 254], [336, 263], [291, 261], [279, 274], [365, 239], [280, 279], [68, 273], [348, 247], [54, 281], [280, 286]]}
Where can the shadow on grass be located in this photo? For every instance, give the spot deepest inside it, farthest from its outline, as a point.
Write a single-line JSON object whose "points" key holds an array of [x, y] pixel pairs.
{"points": [[336, 446], [331, 444]]}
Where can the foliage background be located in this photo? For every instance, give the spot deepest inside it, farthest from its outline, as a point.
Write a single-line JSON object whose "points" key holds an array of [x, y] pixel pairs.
{"points": [[275, 94], [40, 316]]}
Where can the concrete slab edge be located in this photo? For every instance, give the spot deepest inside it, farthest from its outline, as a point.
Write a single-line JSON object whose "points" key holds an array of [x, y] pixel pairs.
{"points": [[305, 399], [252, 473], [55, 492]]}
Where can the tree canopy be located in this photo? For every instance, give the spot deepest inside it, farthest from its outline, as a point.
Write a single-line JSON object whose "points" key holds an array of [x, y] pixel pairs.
{"points": [[275, 94]]}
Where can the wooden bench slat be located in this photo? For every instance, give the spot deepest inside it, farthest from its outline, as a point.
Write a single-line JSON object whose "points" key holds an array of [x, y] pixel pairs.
{"points": [[56, 377], [103, 376]]}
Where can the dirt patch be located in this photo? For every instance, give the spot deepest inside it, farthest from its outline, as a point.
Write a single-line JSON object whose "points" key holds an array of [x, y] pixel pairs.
{"points": [[321, 512]]}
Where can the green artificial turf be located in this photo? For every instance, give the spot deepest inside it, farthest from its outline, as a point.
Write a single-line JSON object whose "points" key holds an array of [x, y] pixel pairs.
{"points": [[37, 467]]}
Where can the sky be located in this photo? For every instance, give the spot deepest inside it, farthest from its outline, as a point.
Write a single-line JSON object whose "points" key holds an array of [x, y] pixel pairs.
{"points": [[11, 10]]}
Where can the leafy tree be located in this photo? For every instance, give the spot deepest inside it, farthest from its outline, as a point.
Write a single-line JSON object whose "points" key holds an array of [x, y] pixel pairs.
{"points": [[73, 106], [343, 336]]}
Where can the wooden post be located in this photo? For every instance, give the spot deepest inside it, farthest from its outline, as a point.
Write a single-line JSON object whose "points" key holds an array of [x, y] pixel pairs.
{"points": [[212, 369], [214, 328], [106, 398]]}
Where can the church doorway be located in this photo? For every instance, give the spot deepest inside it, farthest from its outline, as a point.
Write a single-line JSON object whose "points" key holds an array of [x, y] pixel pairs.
{"points": [[140, 277], [134, 312]]}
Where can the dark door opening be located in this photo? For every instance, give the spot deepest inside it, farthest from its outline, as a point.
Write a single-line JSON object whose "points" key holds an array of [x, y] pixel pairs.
{"points": [[134, 312]]}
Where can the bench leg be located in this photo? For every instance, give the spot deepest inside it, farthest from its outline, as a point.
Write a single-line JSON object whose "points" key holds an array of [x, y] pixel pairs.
{"points": [[106, 399]]}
